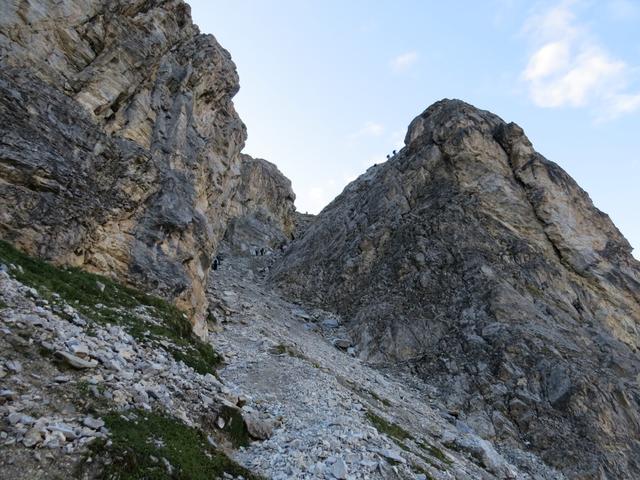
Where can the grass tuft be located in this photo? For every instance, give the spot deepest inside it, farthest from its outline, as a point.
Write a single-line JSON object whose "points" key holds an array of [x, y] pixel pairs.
{"points": [[234, 427], [153, 446], [434, 452], [388, 428]]}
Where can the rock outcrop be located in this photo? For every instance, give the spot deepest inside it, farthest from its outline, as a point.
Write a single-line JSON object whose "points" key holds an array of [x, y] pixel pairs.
{"points": [[119, 142], [263, 210], [484, 267]]}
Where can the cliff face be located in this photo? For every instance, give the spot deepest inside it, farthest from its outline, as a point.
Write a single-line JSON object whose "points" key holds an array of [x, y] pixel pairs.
{"points": [[263, 210], [119, 142], [486, 269]]}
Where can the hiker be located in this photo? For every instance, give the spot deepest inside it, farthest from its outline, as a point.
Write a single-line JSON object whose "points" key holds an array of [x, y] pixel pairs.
{"points": [[282, 247], [215, 263], [388, 156], [394, 153], [262, 252]]}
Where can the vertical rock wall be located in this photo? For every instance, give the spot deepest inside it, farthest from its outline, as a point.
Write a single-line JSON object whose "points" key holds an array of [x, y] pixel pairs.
{"points": [[119, 142]]}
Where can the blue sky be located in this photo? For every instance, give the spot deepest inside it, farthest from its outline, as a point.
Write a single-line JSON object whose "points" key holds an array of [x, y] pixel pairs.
{"points": [[329, 87]]}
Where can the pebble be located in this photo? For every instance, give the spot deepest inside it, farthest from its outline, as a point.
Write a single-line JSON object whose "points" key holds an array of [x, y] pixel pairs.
{"points": [[339, 469], [75, 361], [13, 366]]}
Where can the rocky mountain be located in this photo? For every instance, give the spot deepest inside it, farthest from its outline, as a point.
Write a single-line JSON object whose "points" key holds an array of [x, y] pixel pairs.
{"points": [[461, 311], [119, 142], [486, 270]]}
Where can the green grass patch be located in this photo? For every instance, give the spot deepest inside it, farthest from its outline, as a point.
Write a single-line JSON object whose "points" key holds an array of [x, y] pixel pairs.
{"points": [[384, 401], [104, 301], [388, 428], [422, 471], [434, 452], [141, 440], [399, 435], [234, 427], [2, 304]]}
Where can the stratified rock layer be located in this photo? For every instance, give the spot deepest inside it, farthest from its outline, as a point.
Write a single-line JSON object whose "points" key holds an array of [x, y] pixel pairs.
{"points": [[485, 267], [119, 142]]}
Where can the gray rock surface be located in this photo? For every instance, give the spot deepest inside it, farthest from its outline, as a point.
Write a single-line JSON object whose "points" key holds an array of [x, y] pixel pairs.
{"points": [[330, 409], [262, 209], [462, 311], [47, 425], [477, 263], [119, 142]]}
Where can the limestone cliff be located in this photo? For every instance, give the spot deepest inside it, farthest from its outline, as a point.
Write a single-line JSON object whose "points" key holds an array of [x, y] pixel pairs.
{"points": [[119, 142], [486, 269], [263, 210]]}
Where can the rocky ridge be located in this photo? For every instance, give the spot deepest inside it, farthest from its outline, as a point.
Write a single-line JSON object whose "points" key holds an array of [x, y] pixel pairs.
{"points": [[485, 269]]}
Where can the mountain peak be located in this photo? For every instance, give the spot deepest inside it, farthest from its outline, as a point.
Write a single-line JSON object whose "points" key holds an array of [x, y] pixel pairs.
{"points": [[446, 118], [470, 257]]}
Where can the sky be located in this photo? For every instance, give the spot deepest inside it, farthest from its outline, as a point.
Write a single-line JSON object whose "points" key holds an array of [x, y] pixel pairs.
{"points": [[328, 87]]}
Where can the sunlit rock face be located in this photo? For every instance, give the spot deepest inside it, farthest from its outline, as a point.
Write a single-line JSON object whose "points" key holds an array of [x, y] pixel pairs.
{"points": [[487, 270], [119, 142]]}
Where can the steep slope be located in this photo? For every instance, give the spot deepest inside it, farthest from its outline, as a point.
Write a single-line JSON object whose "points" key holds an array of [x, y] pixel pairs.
{"points": [[484, 267], [119, 142], [335, 416]]}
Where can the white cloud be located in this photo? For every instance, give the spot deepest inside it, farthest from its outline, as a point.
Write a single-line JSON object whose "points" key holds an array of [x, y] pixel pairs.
{"points": [[403, 61], [570, 68], [547, 60], [622, 104]]}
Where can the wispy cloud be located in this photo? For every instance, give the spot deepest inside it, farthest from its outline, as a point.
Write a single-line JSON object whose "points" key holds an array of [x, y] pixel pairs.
{"points": [[403, 61], [569, 67]]}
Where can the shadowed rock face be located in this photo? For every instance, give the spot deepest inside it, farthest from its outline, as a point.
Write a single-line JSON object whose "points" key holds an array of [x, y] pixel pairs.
{"points": [[485, 268], [119, 142], [263, 209]]}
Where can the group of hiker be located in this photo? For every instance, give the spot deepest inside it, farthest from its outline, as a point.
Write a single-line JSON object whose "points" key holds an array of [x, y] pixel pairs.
{"points": [[258, 252], [392, 155]]}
